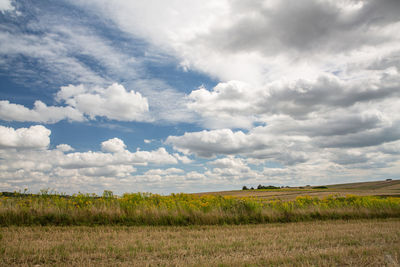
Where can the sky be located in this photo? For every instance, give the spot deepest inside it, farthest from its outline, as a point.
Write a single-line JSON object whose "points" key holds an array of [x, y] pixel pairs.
{"points": [[196, 96]]}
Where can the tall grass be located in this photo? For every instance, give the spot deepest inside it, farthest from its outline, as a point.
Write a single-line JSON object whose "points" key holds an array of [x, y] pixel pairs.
{"points": [[184, 209]]}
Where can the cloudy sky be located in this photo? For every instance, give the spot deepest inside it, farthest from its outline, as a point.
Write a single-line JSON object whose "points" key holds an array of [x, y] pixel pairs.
{"points": [[189, 96]]}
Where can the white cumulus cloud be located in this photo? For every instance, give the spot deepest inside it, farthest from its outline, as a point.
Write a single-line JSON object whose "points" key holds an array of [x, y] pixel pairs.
{"points": [[64, 148], [113, 145], [39, 166], [23, 138], [40, 113], [113, 102], [82, 103]]}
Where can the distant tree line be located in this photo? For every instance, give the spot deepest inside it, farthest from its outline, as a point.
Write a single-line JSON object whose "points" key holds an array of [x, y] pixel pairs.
{"points": [[261, 187], [277, 187]]}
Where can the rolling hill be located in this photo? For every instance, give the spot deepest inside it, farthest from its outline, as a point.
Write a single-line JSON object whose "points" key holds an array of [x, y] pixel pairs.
{"points": [[375, 188]]}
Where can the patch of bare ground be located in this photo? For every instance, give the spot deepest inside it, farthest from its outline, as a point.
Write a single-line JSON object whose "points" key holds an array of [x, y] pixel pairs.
{"points": [[318, 243]]}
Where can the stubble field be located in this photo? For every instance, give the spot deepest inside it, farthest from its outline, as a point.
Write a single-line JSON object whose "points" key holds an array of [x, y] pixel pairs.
{"points": [[319, 243]]}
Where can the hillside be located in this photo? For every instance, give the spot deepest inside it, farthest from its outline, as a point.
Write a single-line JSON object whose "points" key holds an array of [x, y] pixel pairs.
{"points": [[375, 188]]}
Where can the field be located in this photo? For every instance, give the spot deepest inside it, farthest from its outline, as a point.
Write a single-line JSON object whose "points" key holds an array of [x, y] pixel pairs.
{"points": [[350, 224], [376, 188], [327, 243], [185, 209]]}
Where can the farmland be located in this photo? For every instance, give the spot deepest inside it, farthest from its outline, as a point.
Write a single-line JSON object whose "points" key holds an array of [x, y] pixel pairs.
{"points": [[376, 188], [350, 224], [321, 243]]}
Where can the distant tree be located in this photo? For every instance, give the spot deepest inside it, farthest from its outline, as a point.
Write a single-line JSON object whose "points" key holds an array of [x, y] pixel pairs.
{"points": [[252, 188], [245, 188], [259, 186], [108, 194]]}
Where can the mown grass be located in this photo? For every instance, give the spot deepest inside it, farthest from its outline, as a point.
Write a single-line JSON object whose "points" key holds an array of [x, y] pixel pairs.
{"points": [[185, 209], [324, 243]]}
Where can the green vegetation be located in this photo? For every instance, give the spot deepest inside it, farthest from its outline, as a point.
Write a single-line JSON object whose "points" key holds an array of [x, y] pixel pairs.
{"points": [[185, 209], [260, 187], [267, 187]]}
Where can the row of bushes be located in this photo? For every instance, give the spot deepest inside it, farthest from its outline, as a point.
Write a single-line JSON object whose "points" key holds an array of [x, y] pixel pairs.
{"points": [[261, 187], [184, 209]]}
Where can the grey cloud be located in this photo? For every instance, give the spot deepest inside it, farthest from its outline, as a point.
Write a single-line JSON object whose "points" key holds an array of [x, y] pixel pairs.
{"points": [[256, 145], [388, 61], [344, 158], [331, 100], [362, 158], [211, 143], [391, 148], [372, 137], [303, 26], [281, 154], [304, 97], [379, 12], [335, 123]]}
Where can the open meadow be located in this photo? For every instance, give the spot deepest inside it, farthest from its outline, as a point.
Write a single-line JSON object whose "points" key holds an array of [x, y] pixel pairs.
{"points": [[186, 209], [353, 224]]}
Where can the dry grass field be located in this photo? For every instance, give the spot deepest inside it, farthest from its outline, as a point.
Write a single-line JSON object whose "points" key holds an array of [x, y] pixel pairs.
{"points": [[319, 243], [376, 188], [232, 228]]}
